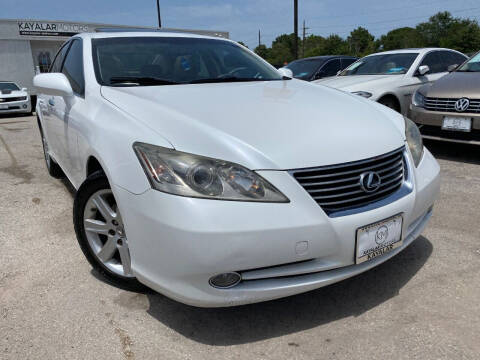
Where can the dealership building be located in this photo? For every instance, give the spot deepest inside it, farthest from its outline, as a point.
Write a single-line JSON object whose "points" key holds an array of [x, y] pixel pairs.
{"points": [[29, 46]]}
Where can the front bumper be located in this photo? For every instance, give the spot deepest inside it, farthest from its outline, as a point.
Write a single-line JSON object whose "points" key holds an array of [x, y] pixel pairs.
{"points": [[23, 106], [178, 243], [430, 124]]}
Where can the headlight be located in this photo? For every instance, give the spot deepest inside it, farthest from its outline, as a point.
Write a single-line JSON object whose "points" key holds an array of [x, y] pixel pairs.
{"points": [[363, 94], [418, 99], [414, 140], [184, 174]]}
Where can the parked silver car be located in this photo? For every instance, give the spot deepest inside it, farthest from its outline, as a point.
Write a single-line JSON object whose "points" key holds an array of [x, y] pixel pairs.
{"points": [[450, 107]]}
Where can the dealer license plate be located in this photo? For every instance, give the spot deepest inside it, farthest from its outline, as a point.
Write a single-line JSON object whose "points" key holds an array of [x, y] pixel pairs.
{"points": [[379, 238], [3, 107], [457, 123]]}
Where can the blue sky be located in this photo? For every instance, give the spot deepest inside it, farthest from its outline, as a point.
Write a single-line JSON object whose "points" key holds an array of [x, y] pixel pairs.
{"points": [[243, 18]]}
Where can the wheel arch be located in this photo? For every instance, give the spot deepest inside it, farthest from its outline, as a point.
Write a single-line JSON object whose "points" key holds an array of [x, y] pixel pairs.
{"points": [[93, 165], [394, 97]]}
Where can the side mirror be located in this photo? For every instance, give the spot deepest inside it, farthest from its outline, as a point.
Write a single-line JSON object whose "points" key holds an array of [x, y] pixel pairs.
{"points": [[422, 70], [24, 89], [452, 67], [286, 72], [55, 84]]}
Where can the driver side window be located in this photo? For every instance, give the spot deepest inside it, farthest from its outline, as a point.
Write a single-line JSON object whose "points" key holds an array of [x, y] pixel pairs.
{"points": [[57, 63]]}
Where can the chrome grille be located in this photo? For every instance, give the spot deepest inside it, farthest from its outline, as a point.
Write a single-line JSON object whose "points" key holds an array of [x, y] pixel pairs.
{"points": [[337, 187], [12, 99], [448, 105]]}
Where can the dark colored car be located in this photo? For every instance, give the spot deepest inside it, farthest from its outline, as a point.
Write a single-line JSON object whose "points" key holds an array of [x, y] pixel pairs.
{"points": [[314, 68]]}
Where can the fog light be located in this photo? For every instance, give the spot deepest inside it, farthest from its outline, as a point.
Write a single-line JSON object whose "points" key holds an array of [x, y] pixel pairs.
{"points": [[226, 280], [24, 106]]}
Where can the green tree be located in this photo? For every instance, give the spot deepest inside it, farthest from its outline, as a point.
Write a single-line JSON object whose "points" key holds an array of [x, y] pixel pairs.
{"points": [[463, 35], [313, 45], [262, 51], [334, 45], [436, 28], [242, 43], [282, 50], [401, 38], [361, 42]]}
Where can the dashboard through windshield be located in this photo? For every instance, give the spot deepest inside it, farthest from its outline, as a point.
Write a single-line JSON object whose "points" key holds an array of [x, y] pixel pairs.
{"points": [[143, 61], [387, 64]]}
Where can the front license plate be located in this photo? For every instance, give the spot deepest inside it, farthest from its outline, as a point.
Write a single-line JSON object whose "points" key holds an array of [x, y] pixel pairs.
{"points": [[379, 238], [457, 123], [3, 107]]}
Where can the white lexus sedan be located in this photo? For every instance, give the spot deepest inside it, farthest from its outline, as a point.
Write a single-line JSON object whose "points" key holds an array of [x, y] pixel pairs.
{"points": [[204, 173], [391, 77], [13, 99]]}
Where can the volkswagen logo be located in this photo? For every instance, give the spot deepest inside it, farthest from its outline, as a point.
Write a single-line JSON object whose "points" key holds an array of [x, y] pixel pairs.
{"points": [[370, 181], [462, 104]]}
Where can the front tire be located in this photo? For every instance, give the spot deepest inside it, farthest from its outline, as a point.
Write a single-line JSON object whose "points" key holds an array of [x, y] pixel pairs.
{"points": [[100, 232]]}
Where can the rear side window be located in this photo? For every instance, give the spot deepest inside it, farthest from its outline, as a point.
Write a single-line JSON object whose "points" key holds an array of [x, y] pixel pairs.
{"points": [[439, 61], [73, 67], [331, 68], [455, 59], [347, 62], [57, 63]]}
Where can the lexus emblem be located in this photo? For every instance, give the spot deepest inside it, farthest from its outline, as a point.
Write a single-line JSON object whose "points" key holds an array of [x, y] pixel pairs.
{"points": [[370, 181], [462, 104]]}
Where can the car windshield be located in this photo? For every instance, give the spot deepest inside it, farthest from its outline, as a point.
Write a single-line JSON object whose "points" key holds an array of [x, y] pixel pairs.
{"points": [[387, 64], [304, 69], [8, 86], [472, 65], [143, 61]]}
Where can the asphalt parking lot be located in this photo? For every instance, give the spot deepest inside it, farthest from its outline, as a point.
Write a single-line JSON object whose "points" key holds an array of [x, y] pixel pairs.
{"points": [[422, 304]]}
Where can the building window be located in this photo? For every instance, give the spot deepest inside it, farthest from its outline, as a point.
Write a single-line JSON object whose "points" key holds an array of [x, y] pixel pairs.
{"points": [[44, 61]]}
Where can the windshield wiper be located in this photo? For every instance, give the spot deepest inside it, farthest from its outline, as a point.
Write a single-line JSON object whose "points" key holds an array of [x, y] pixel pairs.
{"points": [[141, 80], [226, 79]]}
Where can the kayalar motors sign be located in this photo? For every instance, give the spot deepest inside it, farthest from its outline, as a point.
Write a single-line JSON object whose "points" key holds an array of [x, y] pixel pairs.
{"points": [[33, 28]]}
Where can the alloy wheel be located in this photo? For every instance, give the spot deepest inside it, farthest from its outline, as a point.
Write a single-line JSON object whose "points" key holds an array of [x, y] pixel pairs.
{"points": [[106, 234]]}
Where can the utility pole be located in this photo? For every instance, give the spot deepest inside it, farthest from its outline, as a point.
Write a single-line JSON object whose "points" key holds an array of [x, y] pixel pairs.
{"points": [[158, 13], [303, 38], [259, 38], [295, 27]]}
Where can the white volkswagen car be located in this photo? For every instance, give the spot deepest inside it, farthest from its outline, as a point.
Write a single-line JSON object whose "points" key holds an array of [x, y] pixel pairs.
{"points": [[391, 77], [13, 99], [205, 174]]}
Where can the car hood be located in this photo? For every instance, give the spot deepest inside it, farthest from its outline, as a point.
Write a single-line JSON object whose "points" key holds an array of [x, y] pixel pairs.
{"points": [[359, 82], [264, 125], [455, 85]]}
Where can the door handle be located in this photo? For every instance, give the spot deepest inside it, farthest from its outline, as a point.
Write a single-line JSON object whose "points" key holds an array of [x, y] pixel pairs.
{"points": [[51, 102]]}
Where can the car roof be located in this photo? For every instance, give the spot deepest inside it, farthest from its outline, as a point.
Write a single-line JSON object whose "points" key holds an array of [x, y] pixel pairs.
{"points": [[145, 33], [411, 50], [327, 57]]}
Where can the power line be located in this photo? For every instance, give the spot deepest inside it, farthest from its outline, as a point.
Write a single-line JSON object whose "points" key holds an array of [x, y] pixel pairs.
{"points": [[389, 21], [388, 10]]}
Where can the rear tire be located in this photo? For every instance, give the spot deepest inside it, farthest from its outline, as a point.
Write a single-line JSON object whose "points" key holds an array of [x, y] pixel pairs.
{"points": [[100, 232], [52, 167], [390, 102]]}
